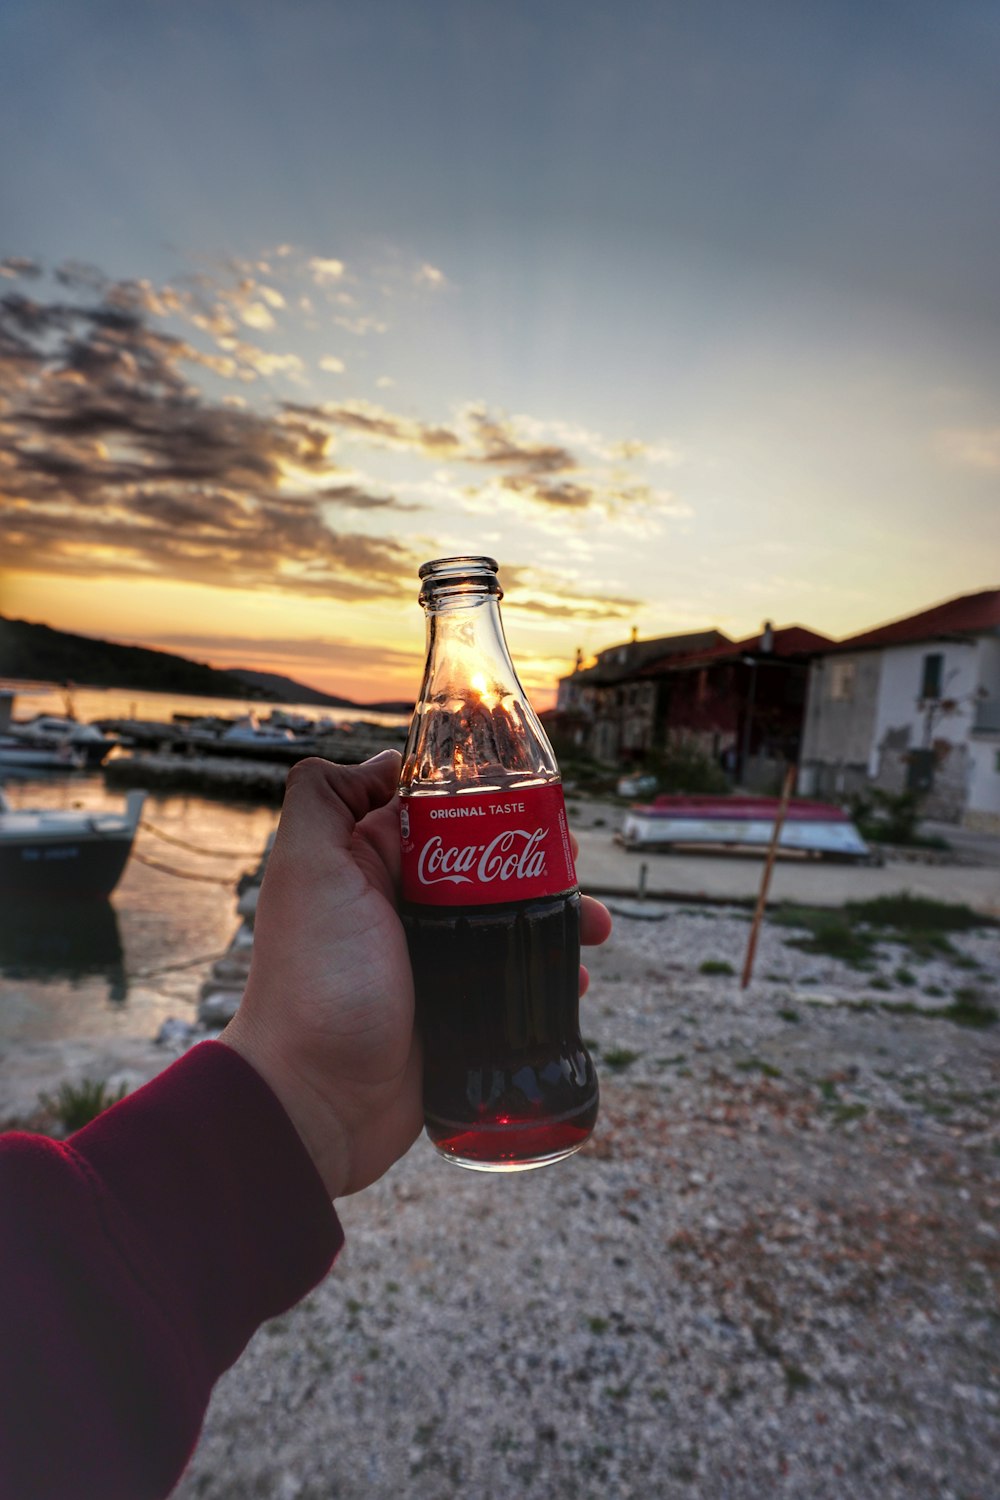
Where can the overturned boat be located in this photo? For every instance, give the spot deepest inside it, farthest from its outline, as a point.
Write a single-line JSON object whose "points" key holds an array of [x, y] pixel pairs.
{"points": [[741, 822], [47, 852]]}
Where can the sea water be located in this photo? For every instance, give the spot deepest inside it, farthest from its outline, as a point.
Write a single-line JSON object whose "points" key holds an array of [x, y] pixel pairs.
{"points": [[79, 971]]}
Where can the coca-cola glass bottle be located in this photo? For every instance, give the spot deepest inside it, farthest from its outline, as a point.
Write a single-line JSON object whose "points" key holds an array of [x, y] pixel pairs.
{"points": [[490, 900]]}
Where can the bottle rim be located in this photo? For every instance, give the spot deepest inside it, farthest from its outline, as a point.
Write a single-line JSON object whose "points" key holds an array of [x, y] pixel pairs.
{"points": [[457, 567], [453, 579]]}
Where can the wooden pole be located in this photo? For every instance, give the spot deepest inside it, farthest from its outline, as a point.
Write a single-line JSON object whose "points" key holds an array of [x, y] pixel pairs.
{"points": [[765, 882]]}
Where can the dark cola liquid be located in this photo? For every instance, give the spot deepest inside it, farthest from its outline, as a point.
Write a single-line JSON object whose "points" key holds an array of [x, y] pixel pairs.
{"points": [[508, 1082]]}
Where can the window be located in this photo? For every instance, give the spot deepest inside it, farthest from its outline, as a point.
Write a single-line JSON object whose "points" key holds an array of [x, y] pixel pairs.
{"points": [[842, 681], [930, 681]]}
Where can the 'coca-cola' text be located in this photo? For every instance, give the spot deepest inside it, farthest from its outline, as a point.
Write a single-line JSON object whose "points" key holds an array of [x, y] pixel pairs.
{"points": [[515, 856]]}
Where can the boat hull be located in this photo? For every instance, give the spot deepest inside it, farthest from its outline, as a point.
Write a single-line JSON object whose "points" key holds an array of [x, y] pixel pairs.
{"points": [[75, 868], [45, 853], [743, 823]]}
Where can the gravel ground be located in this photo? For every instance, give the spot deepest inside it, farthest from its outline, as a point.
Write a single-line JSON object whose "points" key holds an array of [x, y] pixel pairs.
{"points": [[774, 1271]]}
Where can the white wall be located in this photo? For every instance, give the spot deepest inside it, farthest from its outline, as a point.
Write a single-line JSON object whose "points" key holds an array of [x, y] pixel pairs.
{"points": [[984, 788], [899, 704]]}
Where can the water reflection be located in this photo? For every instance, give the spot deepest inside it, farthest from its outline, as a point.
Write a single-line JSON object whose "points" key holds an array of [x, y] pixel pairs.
{"points": [[68, 940]]}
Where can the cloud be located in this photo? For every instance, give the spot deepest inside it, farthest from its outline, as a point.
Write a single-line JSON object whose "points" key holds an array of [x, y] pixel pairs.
{"points": [[19, 265], [377, 426], [563, 493], [972, 447], [537, 591], [324, 271], [115, 456], [112, 462], [326, 651], [258, 316], [355, 497], [428, 275]]}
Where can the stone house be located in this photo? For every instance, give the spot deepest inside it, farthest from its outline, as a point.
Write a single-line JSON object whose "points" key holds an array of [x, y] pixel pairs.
{"points": [[738, 700], [912, 705], [610, 709], [742, 702]]}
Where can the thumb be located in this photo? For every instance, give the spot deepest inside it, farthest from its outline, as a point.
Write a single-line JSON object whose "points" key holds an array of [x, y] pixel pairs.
{"points": [[335, 797]]}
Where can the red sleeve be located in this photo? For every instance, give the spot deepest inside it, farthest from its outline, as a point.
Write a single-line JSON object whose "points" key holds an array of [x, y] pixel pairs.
{"points": [[136, 1260]]}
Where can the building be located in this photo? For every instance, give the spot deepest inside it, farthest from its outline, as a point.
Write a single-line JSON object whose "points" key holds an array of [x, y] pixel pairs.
{"points": [[913, 705], [610, 709], [739, 701], [742, 702]]}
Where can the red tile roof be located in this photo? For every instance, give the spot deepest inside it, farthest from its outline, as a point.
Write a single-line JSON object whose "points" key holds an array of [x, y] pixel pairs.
{"points": [[788, 640], [971, 614]]}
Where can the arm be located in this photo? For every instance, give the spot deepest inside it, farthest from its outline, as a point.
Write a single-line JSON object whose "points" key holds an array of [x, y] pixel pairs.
{"points": [[137, 1260]]}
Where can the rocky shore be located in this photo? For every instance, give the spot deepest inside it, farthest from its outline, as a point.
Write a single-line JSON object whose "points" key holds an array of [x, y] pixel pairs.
{"points": [[775, 1269]]}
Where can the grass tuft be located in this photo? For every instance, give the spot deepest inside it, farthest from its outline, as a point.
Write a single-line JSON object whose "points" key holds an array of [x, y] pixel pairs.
{"points": [[76, 1104]]}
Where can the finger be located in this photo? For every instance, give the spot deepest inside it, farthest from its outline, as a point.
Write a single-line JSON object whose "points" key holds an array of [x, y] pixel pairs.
{"points": [[595, 921], [336, 796], [584, 981], [574, 843]]}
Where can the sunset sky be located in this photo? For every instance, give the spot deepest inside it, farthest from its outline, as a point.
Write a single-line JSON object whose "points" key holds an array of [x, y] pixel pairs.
{"points": [[687, 313]]}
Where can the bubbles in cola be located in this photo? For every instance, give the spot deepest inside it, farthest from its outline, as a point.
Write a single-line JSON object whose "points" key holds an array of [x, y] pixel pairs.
{"points": [[490, 900]]}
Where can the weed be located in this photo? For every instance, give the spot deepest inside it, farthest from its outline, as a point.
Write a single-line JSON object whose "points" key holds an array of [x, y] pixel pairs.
{"points": [[620, 1057], [830, 933], [796, 1379], [970, 1009], [909, 913], [758, 1065], [715, 966], [905, 976], [598, 1325], [852, 933], [879, 983], [76, 1104], [843, 1113], [787, 1014]]}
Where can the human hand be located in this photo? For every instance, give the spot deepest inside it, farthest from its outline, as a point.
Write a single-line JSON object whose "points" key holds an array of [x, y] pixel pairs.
{"points": [[327, 1015]]}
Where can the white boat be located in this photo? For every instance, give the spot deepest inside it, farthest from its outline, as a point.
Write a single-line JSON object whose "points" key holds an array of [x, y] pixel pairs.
{"points": [[86, 742], [39, 753], [742, 822], [51, 852], [249, 731]]}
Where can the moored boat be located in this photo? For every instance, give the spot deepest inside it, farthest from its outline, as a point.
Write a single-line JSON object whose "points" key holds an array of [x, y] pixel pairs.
{"points": [[86, 743], [65, 853], [39, 754]]}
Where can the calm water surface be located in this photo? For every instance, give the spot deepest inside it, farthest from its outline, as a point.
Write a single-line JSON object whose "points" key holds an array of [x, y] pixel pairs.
{"points": [[111, 969]]}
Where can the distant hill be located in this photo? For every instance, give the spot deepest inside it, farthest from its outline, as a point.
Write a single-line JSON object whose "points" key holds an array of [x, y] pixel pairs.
{"points": [[280, 689], [37, 653]]}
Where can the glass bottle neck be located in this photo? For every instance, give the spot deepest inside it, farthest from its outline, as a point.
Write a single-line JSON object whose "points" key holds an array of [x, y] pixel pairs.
{"points": [[473, 728]]}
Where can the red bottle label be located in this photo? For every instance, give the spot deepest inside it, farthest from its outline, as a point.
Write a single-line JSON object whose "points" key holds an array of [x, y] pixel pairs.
{"points": [[481, 848]]}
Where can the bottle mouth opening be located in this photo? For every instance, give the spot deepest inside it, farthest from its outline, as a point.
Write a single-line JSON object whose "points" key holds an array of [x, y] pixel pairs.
{"points": [[465, 574]]}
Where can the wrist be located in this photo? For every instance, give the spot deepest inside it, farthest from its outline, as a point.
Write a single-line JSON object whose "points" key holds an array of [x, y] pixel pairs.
{"points": [[314, 1122]]}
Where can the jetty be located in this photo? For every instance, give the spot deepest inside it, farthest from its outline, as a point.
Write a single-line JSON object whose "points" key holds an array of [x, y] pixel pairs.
{"points": [[236, 758]]}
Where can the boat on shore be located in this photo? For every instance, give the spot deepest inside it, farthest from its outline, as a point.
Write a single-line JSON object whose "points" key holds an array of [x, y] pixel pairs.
{"points": [[744, 822], [60, 853]]}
